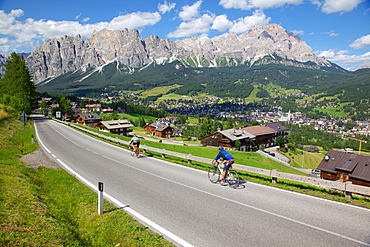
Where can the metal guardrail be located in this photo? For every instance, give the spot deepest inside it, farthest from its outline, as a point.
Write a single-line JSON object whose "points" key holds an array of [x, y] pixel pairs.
{"points": [[346, 187]]}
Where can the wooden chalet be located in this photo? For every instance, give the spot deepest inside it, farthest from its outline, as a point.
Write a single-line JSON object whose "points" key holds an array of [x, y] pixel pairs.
{"points": [[251, 138], [91, 119], [159, 129], [228, 138], [343, 166], [118, 127], [266, 134]]}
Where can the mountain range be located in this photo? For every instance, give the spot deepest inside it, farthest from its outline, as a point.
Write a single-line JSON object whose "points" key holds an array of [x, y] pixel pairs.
{"points": [[68, 54], [123, 59]]}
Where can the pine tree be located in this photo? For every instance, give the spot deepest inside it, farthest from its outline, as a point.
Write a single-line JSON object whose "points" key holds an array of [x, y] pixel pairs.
{"points": [[16, 87]]}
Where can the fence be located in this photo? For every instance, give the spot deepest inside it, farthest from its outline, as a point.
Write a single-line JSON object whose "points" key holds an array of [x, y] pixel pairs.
{"points": [[346, 187]]}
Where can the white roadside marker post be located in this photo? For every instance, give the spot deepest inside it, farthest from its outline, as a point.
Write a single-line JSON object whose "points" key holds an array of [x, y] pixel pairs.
{"points": [[100, 198]]}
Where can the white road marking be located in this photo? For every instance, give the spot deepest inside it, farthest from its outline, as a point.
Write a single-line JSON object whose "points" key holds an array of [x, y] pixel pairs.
{"points": [[160, 229], [130, 211]]}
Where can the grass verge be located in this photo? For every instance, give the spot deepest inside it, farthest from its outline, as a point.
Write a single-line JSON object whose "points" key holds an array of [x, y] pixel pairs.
{"points": [[49, 207]]}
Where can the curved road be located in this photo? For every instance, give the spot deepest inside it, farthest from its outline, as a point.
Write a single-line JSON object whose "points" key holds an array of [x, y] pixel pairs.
{"points": [[181, 203]]}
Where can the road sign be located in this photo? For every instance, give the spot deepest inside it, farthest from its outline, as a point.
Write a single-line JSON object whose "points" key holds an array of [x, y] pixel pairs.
{"points": [[23, 117]]}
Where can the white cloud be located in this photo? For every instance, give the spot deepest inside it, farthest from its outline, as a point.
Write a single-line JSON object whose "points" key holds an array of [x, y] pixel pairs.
{"points": [[136, 20], [350, 61], [244, 24], [190, 11], [7, 20], [199, 25], [166, 7], [221, 23], [29, 32], [362, 42], [298, 32], [4, 40], [342, 52], [331, 33], [273, 3], [329, 54], [334, 6], [345, 61], [260, 4], [86, 19], [236, 4], [327, 6], [202, 25]]}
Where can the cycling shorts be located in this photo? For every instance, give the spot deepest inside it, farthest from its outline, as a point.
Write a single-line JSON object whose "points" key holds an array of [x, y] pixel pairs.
{"points": [[228, 164]]}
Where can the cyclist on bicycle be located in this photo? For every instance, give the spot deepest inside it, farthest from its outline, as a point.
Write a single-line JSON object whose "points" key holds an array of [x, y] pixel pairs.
{"points": [[227, 158], [134, 142]]}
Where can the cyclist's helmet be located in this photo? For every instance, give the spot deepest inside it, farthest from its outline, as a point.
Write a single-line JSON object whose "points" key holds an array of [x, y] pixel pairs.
{"points": [[220, 147]]}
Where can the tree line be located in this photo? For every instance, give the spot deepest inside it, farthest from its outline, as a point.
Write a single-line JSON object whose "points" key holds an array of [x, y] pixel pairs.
{"points": [[308, 135], [17, 90]]}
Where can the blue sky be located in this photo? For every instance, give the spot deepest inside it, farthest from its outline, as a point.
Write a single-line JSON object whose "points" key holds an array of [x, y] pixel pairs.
{"points": [[336, 29]]}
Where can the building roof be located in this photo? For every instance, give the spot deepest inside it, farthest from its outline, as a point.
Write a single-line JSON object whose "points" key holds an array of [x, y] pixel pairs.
{"points": [[260, 130], [358, 166], [159, 126], [117, 124], [311, 149], [93, 105], [265, 129], [362, 170], [277, 127], [234, 134], [90, 116]]}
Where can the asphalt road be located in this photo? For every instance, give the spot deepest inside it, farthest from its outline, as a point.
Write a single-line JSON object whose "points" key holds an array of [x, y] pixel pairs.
{"points": [[182, 204]]}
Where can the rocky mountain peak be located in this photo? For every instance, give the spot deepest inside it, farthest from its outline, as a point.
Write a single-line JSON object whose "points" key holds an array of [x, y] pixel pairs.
{"points": [[68, 54]]}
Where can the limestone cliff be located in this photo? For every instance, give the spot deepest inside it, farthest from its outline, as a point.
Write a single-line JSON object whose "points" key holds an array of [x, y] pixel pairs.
{"points": [[68, 54]]}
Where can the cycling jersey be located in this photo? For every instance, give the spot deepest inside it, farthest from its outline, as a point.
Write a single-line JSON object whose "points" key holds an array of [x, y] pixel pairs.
{"points": [[224, 155], [227, 158]]}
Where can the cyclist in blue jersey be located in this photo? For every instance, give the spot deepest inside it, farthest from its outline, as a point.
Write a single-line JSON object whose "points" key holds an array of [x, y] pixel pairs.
{"points": [[227, 158]]}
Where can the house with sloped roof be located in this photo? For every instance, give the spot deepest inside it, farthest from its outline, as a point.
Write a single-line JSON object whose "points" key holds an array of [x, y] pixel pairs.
{"points": [[228, 139], [343, 166], [91, 119], [251, 138], [267, 134], [118, 127], [93, 107], [159, 129]]}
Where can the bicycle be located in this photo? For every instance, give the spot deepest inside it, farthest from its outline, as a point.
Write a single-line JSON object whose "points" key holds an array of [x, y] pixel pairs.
{"points": [[135, 151], [232, 177]]}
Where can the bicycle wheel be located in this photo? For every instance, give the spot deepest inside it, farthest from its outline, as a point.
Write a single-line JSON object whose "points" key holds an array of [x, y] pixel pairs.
{"points": [[214, 174], [233, 179]]}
